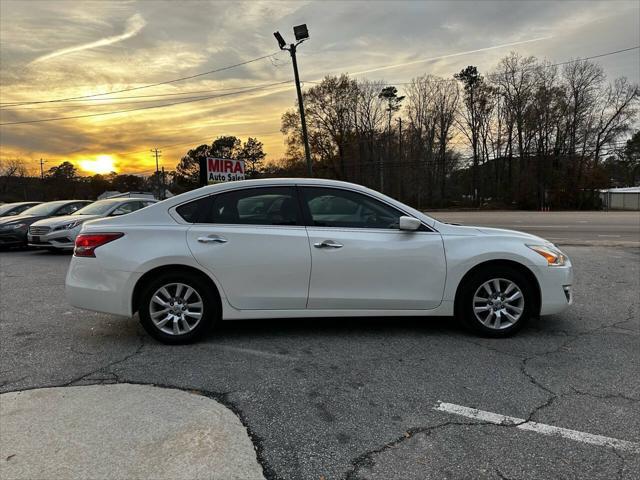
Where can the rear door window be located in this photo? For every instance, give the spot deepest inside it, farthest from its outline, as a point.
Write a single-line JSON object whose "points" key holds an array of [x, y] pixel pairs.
{"points": [[255, 206]]}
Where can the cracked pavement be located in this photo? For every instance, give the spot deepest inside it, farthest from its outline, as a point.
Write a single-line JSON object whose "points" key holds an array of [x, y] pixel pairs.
{"points": [[354, 398]]}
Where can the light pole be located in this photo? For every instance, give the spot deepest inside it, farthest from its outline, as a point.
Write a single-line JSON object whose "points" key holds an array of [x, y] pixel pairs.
{"points": [[301, 33]]}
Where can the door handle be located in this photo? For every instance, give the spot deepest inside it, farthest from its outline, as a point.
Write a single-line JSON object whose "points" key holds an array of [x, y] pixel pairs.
{"points": [[327, 244], [212, 239]]}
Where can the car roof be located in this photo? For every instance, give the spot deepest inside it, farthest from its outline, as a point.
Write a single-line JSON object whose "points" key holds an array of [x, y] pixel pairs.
{"points": [[61, 202], [127, 199], [324, 182]]}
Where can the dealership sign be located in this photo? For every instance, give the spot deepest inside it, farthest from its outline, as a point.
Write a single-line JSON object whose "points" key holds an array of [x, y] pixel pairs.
{"points": [[224, 170]]}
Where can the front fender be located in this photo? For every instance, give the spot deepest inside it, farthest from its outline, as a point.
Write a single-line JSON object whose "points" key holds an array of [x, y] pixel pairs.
{"points": [[465, 252]]}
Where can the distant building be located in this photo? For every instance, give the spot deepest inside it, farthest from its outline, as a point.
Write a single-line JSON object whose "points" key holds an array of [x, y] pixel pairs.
{"points": [[627, 198]]}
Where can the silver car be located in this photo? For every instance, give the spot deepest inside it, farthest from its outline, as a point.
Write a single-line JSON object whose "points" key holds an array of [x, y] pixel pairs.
{"points": [[59, 233]]}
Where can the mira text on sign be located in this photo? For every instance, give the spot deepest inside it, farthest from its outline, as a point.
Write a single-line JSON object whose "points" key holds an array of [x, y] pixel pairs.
{"points": [[224, 170]]}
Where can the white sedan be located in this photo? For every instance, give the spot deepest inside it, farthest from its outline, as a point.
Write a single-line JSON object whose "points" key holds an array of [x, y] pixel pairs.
{"points": [[59, 233], [291, 248]]}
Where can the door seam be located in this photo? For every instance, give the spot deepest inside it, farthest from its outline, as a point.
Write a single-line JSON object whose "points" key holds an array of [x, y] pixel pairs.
{"points": [[306, 305]]}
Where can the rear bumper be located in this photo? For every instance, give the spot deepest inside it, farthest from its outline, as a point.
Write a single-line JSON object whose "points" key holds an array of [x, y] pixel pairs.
{"points": [[92, 287], [556, 285]]}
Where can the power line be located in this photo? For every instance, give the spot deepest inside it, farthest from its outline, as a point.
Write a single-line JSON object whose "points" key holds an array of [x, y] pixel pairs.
{"points": [[37, 107], [542, 65], [166, 82], [21, 122], [82, 101]]}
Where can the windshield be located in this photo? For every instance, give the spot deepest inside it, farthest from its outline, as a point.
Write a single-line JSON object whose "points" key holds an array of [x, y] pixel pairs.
{"points": [[6, 208], [97, 208], [43, 209]]}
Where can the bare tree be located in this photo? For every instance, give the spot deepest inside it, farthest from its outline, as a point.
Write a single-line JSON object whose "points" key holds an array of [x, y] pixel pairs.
{"points": [[329, 108], [445, 107], [617, 107], [369, 122], [421, 93], [516, 80], [13, 167]]}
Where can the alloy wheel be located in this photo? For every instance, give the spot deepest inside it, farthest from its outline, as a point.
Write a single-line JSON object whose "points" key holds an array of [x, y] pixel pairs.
{"points": [[498, 303], [176, 308]]}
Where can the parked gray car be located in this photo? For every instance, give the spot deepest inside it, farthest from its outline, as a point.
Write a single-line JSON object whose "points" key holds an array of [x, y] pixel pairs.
{"points": [[60, 233], [16, 208]]}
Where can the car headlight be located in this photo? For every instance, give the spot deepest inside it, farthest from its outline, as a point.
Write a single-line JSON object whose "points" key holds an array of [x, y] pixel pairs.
{"points": [[553, 256], [68, 226], [15, 226]]}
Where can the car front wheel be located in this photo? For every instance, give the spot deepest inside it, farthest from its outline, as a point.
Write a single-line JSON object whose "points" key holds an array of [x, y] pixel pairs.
{"points": [[496, 302], [177, 309]]}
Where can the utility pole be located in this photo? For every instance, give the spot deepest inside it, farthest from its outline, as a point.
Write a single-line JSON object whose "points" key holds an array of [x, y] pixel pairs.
{"points": [[401, 163], [400, 138], [42, 162], [301, 33], [164, 185], [157, 152]]}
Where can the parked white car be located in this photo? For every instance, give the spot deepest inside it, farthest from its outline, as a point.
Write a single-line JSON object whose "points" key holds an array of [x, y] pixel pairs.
{"points": [[59, 233], [308, 248]]}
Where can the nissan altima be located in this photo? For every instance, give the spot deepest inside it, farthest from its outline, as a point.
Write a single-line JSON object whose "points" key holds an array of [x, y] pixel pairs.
{"points": [[297, 248]]}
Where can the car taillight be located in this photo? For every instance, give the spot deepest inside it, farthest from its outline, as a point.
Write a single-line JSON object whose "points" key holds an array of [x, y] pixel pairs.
{"points": [[86, 243]]}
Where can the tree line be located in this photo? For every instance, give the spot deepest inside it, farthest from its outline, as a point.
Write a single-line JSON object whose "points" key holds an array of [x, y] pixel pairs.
{"points": [[63, 181], [527, 134]]}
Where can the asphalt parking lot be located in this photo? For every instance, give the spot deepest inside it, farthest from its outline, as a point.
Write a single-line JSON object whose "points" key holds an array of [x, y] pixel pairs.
{"points": [[362, 398]]}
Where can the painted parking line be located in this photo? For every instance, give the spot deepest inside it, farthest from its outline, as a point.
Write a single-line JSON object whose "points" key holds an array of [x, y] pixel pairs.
{"points": [[613, 236], [542, 428]]}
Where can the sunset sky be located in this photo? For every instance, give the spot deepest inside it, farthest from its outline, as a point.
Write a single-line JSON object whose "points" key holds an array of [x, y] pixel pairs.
{"points": [[54, 50]]}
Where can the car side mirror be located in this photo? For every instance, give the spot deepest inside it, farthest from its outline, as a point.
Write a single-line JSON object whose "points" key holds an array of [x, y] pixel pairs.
{"points": [[409, 224], [116, 213]]}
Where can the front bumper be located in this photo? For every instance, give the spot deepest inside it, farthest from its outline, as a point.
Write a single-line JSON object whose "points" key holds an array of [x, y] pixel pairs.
{"points": [[62, 239], [556, 289], [13, 238]]}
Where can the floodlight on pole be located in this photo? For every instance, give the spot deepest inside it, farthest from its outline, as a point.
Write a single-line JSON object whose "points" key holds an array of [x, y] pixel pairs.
{"points": [[281, 43], [301, 34]]}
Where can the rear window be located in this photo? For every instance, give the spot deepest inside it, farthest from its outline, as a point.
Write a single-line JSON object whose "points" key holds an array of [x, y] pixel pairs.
{"points": [[190, 212]]}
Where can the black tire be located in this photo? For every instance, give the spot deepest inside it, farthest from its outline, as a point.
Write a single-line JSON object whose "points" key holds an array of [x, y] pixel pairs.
{"points": [[465, 301], [211, 312]]}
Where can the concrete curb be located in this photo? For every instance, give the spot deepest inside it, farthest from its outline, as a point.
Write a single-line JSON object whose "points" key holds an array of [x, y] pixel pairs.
{"points": [[122, 431]]}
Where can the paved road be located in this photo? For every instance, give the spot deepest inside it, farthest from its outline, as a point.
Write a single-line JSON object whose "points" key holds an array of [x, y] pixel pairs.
{"points": [[563, 228], [358, 398]]}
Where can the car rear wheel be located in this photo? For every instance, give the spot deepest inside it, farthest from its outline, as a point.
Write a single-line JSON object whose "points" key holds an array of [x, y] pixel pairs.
{"points": [[177, 309], [496, 302]]}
